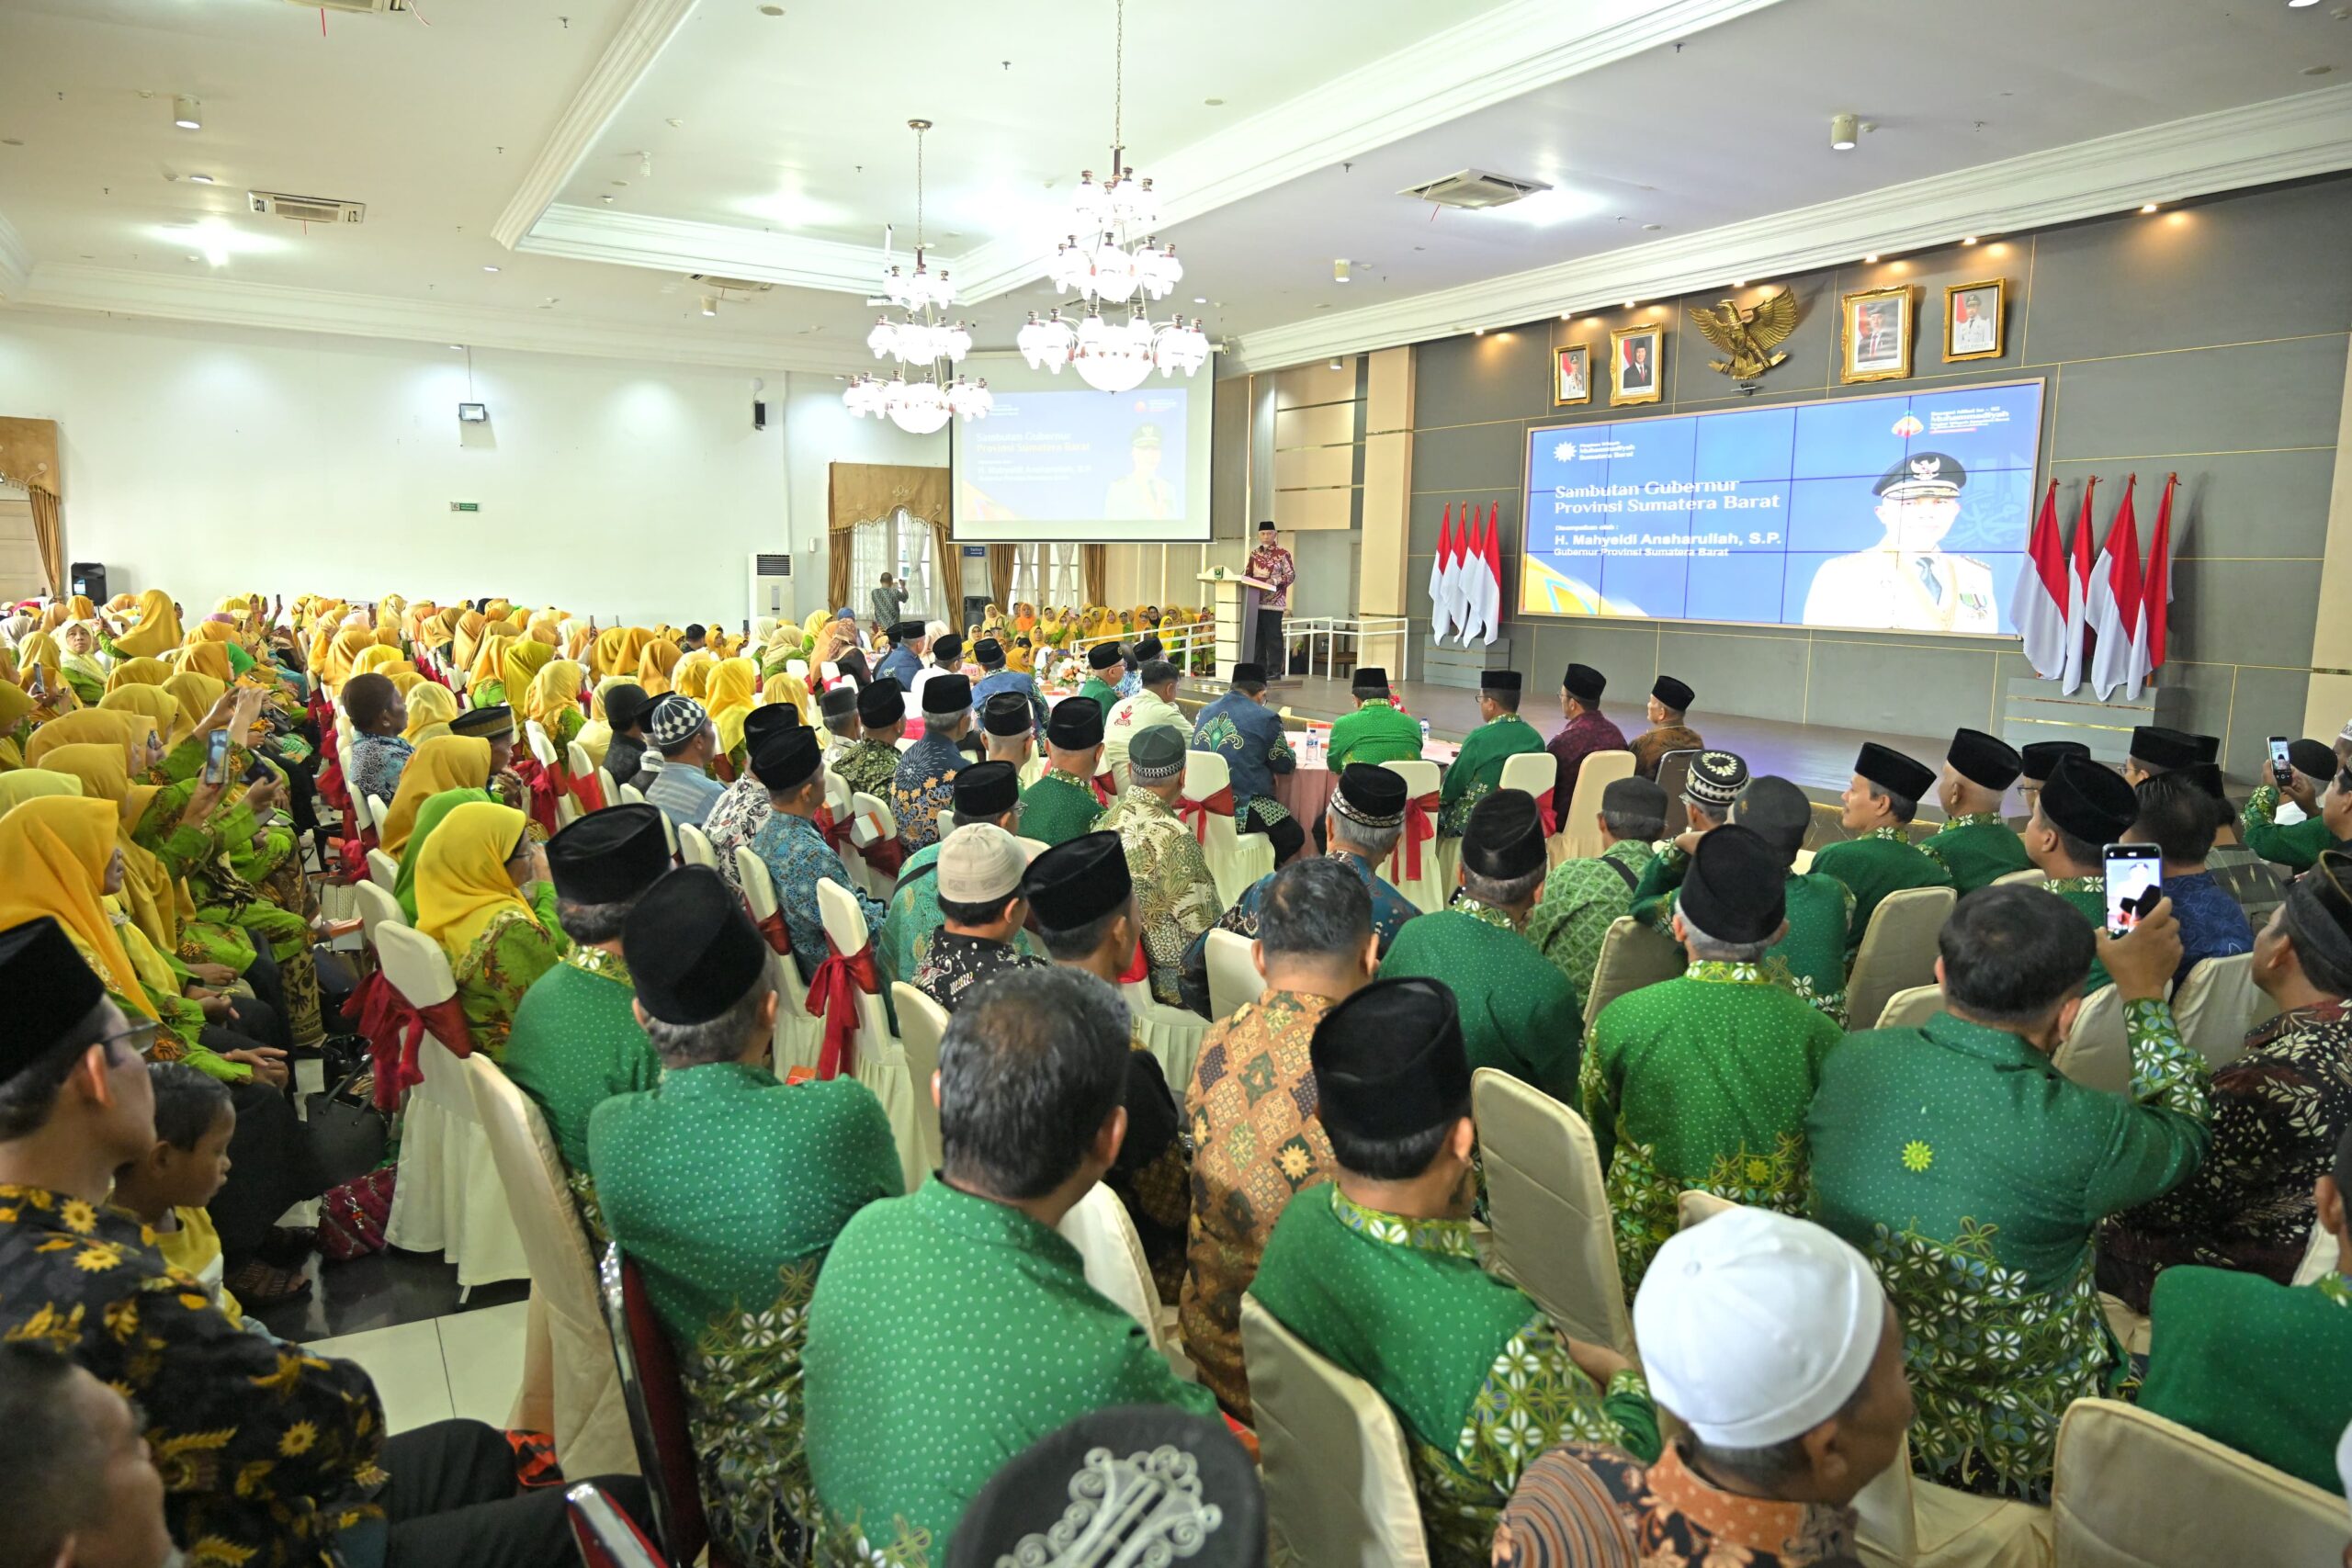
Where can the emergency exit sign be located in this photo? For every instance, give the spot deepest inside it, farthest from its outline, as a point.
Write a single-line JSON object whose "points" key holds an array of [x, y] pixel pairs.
{"points": [[464, 506]]}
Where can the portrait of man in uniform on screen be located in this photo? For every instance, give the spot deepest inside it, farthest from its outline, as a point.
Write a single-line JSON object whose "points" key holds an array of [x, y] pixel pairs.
{"points": [[1140, 492], [1907, 581]]}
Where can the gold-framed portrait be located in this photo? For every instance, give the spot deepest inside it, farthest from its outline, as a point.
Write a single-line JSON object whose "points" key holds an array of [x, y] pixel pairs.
{"points": [[1874, 333], [1571, 375], [1636, 364], [1976, 320]]}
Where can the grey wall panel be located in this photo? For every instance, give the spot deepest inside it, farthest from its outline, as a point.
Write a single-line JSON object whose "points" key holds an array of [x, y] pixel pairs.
{"points": [[1901, 690], [2242, 503], [1502, 375], [1624, 651], [2197, 698], [2244, 397], [1761, 675], [2245, 612], [1469, 462], [2266, 703]]}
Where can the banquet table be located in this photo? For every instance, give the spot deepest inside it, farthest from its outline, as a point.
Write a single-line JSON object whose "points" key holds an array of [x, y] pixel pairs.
{"points": [[1305, 790]]}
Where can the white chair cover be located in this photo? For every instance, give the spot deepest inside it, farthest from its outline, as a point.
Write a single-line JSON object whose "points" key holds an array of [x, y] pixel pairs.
{"points": [[2133, 1490], [695, 846], [1907, 1009], [1234, 979], [1439, 856], [2032, 876], [377, 907], [1898, 950], [1632, 956], [1105, 1237], [536, 737], [799, 1039], [922, 1023], [837, 801], [881, 1060], [879, 822], [2320, 1258], [2095, 1052], [606, 787], [2217, 1004], [375, 813], [1235, 859], [447, 1197], [1803, 865], [1579, 829], [1173, 1035], [588, 1416], [1338, 1486], [1033, 769], [1909, 1523], [1552, 1227], [630, 795], [384, 870]]}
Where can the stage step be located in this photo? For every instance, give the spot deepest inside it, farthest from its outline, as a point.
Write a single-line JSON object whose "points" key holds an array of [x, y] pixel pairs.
{"points": [[1450, 664], [2034, 709]]}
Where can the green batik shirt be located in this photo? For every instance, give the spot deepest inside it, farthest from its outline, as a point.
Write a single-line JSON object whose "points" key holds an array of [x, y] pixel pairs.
{"points": [[1701, 1082], [1880, 862], [1480, 1378], [1978, 849], [2296, 846], [2262, 1367], [726, 1186], [1973, 1175], [1104, 692], [1810, 960], [869, 767], [1477, 771], [1518, 1012], [1582, 898], [1058, 808], [575, 1045], [1376, 732], [2088, 896], [915, 918], [948, 1333]]}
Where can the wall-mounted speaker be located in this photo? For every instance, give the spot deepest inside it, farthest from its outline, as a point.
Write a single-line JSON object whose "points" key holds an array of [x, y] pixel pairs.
{"points": [[758, 414]]}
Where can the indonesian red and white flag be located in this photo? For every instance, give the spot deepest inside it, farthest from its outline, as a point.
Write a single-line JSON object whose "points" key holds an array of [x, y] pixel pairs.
{"points": [[1466, 559], [2039, 603], [2156, 592], [1491, 579], [1441, 579], [2078, 602], [2120, 663]]}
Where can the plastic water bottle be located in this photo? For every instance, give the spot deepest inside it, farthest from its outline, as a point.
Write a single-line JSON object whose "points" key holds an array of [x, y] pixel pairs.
{"points": [[1425, 737]]}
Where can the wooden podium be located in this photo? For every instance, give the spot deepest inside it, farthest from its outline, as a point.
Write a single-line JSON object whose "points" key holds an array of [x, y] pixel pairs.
{"points": [[1235, 597]]}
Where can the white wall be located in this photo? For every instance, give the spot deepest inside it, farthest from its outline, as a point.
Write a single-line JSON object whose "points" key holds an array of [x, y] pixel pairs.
{"points": [[819, 431]]}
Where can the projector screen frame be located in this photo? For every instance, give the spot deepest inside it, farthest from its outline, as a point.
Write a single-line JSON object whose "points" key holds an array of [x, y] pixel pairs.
{"points": [[2041, 463], [1201, 389]]}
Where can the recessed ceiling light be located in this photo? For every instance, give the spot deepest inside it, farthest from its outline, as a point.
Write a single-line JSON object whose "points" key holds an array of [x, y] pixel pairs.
{"points": [[2148, 206], [1478, 331], [2317, 69], [1844, 131], [710, 304], [1652, 228], [459, 346], [2298, 5], [1219, 103], [188, 114], [1968, 239], [200, 179], [1566, 314], [1739, 283], [486, 267], [771, 10], [1629, 304], [1340, 270], [1871, 260], [1200, 299]]}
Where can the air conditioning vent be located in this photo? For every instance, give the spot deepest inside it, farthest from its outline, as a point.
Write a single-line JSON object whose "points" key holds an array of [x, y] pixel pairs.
{"points": [[727, 285], [772, 566], [306, 208], [356, 7], [770, 585], [1474, 188]]}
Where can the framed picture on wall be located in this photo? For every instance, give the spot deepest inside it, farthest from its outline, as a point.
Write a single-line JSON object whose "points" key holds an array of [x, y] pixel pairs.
{"points": [[1874, 335], [1571, 373], [1636, 364], [1974, 320]]}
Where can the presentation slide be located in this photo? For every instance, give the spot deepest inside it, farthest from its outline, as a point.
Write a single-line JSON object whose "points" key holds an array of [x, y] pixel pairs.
{"points": [[1904, 511], [1058, 461]]}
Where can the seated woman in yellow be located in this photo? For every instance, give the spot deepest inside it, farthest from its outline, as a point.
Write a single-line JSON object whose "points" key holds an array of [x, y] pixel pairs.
{"points": [[655, 665], [469, 877], [552, 702], [732, 692]]}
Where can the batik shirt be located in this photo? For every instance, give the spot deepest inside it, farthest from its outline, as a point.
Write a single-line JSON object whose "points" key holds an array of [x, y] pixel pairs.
{"points": [[798, 859], [1978, 849], [1972, 1174], [923, 789], [376, 761], [1580, 739], [1811, 960], [1479, 1377], [266, 1450], [2263, 1367], [868, 767], [2278, 1113], [1058, 807], [2212, 924], [1256, 1142], [1390, 910], [1175, 896], [1583, 1506], [2295, 845], [500, 965], [726, 1186], [1872, 865], [947, 1335], [1273, 564], [1377, 731], [1701, 1082], [1582, 898], [1249, 735], [1477, 770], [575, 1045], [1518, 1012], [953, 963], [1651, 746], [738, 817]]}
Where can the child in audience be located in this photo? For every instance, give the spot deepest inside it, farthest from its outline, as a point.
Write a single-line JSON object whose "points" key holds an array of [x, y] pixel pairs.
{"points": [[167, 1191]]}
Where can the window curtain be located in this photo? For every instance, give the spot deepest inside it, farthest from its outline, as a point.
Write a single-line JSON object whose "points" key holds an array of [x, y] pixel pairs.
{"points": [[1000, 575], [48, 536], [866, 493], [1094, 568], [28, 458]]}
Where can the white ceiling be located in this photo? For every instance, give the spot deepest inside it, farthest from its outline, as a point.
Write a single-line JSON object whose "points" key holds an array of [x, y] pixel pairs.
{"points": [[476, 119]]}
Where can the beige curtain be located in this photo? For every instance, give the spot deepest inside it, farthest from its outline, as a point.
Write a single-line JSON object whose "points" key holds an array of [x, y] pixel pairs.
{"points": [[947, 572], [1000, 565], [1094, 571], [48, 536], [860, 493]]}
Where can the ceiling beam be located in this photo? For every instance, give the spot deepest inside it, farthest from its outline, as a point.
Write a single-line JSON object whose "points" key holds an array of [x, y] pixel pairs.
{"points": [[677, 245], [2285, 139]]}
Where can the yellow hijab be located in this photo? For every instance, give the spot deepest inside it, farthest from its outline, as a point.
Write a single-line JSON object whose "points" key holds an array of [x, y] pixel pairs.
{"points": [[734, 686], [213, 631], [196, 692], [33, 783], [92, 727], [654, 665], [461, 881], [147, 893], [139, 672], [377, 660], [467, 640], [430, 709], [53, 856], [788, 688], [553, 691], [15, 703], [523, 660], [445, 761], [40, 649], [158, 630], [490, 660], [692, 676], [153, 703], [207, 659]]}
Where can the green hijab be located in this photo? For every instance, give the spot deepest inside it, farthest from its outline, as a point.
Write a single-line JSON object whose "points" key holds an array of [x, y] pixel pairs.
{"points": [[428, 817]]}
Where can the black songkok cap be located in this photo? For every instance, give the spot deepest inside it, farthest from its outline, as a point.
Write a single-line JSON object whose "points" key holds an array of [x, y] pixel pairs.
{"points": [[49, 989], [2207, 776], [1104, 656], [1776, 811], [2089, 800], [881, 703], [484, 724], [784, 759], [1504, 838], [989, 650], [1007, 714], [946, 694], [987, 789], [1892, 771], [690, 948], [1148, 649], [625, 704], [946, 647], [2159, 747], [840, 701], [1371, 795], [2041, 758], [1736, 888], [2209, 746], [1584, 682], [1982, 759], [770, 718], [1499, 681], [1247, 671], [906, 631], [1672, 693], [1075, 724], [2312, 759], [1078, 880], [1389, 1061], [608, 855], [1371, 680]]}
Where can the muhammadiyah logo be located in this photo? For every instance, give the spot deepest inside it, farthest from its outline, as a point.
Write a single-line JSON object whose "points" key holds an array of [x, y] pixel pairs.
{"points": [[1908, 426]]}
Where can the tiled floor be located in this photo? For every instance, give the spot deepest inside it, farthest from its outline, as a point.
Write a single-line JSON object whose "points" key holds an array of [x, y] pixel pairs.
{"points": [[466, 1364]]}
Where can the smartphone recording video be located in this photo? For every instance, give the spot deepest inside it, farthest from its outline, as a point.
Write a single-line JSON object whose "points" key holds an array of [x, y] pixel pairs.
{"points": [[2134, 885], [216, 757]]}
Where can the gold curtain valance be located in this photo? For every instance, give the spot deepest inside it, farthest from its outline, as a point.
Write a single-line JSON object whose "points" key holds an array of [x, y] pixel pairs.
{"points": [[860, 493], [28, 454]]}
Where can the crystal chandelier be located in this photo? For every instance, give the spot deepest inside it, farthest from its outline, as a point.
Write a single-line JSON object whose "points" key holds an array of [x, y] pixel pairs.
{"points": [[919, 339], [1113, 259]]}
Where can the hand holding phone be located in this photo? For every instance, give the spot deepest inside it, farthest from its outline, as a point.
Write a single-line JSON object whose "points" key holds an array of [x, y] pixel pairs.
{"points": [[2134, 885], [216, 757], [2281, 770]]}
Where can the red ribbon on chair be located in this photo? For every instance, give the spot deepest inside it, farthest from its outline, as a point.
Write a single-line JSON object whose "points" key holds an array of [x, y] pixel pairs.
{"points": [[582, 788], [885, 855], [401, 1033], [353, 854], [779, 935], [832, 996], [332, 788], [1198, 812], [1103, 793], [836, 834], [1421, 826], [1138, 967], [543, 788], [1544, 809]]}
